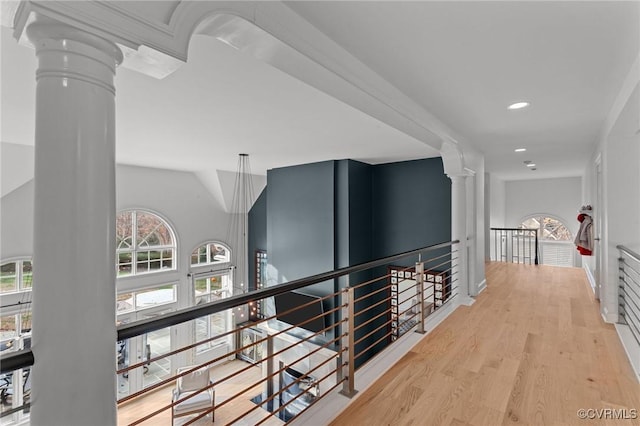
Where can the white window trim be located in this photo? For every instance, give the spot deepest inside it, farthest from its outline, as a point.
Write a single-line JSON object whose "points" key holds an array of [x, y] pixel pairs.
{"points": [[218, 271], [136, 249], [210, 263], [552, 216], [19, 276]]}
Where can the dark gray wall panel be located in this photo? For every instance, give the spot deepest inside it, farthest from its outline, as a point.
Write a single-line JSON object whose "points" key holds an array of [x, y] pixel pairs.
{"points": [[257, 239]]}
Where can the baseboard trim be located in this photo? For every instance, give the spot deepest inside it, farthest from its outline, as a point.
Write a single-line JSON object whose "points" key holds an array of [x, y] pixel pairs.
{"points": [[609, 317], [590, 278], [631, 347]]}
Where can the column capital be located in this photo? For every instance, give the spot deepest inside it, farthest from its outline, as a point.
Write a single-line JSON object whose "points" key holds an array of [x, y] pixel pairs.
{"points": [[47, 28], [68, 53]]}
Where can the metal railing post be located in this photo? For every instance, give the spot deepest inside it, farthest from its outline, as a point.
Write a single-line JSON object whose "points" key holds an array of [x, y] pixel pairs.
{"points": [[348, 387], [342, 328], [536, 260], [420, 296], [269, 365]]}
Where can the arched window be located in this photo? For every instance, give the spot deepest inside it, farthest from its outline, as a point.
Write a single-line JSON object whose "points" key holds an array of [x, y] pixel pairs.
{"points": [[16, 276], [556, 246], [209, 253], [144, 243], [549, 228]]}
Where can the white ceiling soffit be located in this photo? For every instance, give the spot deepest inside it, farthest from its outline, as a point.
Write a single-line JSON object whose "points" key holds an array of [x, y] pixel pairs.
{"points": [[327, 67], [223, 102]]}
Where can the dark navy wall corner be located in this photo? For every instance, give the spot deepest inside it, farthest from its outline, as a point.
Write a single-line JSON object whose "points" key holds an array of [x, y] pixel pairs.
{"points": [[257, 236]]}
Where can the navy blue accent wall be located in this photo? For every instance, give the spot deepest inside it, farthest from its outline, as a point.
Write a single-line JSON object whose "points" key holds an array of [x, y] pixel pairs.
{"points": [[257, 238], [342, 213], [353, 213], [360, 213], [411, 209], [333, 214], [412, 206], [300, 220]]}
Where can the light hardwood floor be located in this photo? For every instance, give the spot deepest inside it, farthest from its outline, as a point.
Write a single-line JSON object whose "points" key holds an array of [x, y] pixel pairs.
{"points": [[138, 408], [532, 350]]}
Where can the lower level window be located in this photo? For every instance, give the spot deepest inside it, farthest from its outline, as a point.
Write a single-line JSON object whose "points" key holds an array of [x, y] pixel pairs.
{"points": [[210, 289], [15, 331], [147, 298]]}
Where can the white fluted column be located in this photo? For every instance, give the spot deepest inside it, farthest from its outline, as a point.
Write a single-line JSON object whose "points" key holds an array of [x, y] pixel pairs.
{"points": [[74, 330], [459, 232]]}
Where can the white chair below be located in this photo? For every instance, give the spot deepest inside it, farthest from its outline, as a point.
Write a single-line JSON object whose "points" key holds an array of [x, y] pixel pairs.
{"points": [[188, 385]]}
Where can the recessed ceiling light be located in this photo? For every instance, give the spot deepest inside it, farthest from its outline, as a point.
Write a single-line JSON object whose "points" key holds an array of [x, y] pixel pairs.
{"points": [[531, 165], [527, 161], [533, 168], [518, 105], [520, 149]]}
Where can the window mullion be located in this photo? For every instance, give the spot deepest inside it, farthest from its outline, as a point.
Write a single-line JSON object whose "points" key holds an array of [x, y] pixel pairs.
{"points": [[19, 275], [134, 245]]}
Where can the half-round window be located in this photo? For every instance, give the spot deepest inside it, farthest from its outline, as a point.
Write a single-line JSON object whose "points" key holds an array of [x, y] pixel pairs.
{"points": [[548, 228], [212, 252], [144, 243], [16, 276]]}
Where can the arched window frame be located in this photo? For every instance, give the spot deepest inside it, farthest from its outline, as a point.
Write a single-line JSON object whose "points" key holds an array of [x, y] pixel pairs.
{"points": [[204, 255], [541, 234], [22, 276], [135, 249]]}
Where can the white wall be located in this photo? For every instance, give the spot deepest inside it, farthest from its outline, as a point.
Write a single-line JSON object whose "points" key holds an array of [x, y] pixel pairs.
{"points": [[620, 158], [178, 197], [559, 197], [495, 211], [16, 226], [498, 203], [623, 177], [16, 166]]}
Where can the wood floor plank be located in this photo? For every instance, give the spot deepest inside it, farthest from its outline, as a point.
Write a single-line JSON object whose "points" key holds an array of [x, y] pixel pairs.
{"points": [[532, 350]]}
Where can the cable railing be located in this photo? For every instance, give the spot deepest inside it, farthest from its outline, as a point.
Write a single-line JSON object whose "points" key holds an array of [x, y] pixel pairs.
{"points": [[515, 245], [307, 342], [629, 290]]}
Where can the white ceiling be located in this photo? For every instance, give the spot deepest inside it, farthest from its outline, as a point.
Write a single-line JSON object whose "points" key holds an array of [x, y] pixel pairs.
{"points": [[462, 61], [466, 62]]}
